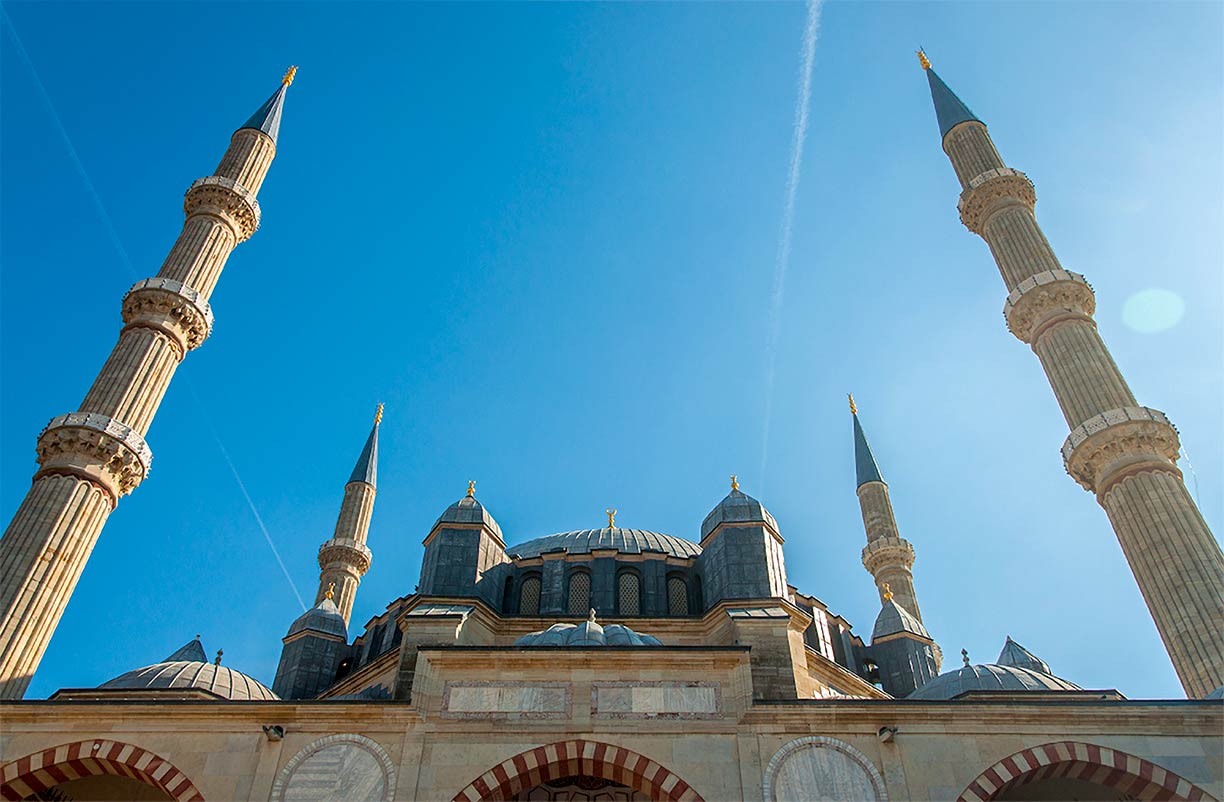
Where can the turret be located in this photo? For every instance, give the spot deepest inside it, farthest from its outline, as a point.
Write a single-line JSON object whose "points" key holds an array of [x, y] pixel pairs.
{"points": [[1123, 453], [345, 558], [888, 557], [741, 551], [902, 648], [313, 648], [464, 544], [91, 458]]}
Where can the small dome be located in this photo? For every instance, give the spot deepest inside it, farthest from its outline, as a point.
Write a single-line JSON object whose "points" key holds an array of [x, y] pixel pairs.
{"points": [[894, 619], [737, 507], [586, 635], [323, 617], [625, 541], [468, 510], [221, 680], [990, 677]]}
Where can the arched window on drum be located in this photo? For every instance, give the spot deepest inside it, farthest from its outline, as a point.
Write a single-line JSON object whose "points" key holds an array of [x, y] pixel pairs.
{"points": [[529, 596], [579, 593], [628, 593], [677, 595]]}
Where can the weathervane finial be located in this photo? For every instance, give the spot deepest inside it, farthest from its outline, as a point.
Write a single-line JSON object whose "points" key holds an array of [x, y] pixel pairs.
{"points": [[734, 482], [331, 590]]}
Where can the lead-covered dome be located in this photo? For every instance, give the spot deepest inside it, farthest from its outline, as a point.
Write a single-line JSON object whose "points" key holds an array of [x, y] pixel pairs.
{"points": [[324, 617], [990, 677], [586, 635], [625, 541], [185, 669], [895, 619], [468, 510]]}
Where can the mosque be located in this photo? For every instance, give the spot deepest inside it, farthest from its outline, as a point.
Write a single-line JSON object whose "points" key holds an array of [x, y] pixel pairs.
{"points": [[613, 663]]}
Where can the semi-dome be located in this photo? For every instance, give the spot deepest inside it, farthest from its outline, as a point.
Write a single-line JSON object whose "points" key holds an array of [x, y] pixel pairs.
{"points": [[186, 668], [586, 635], [324, 617], [468, 510], [990, 677], [895, 619], [626, 541], [737, 507]]}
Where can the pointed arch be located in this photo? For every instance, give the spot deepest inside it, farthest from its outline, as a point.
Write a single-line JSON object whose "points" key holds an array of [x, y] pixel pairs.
{"points": [[39, 771], [1111, 768], [568, 758]]}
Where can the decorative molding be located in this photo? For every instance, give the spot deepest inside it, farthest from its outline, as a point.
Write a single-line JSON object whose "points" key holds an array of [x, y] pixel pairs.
{"points": [[227, 199], [280, 786], [1046, 298], [822, 742], [37, 772], [887, 551], [1112, 445], [991, 191], [345, 550], [1133, 776], [172, 307], [97, 448]]}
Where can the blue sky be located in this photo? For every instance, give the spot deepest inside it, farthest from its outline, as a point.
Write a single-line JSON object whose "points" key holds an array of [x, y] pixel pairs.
{"points": [[545, 235]]}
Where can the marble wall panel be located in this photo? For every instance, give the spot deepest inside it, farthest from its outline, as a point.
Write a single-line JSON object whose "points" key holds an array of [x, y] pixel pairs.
{"points": [[505, 699], [657, 699]]}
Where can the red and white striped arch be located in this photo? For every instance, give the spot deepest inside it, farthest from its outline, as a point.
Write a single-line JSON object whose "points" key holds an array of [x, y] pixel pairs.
{"points": [[572, 758], [1128, 774], [39, 771]]}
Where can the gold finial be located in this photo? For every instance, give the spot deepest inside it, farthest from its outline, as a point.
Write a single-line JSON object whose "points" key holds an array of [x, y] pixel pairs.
{"points": [[611, 513], [290, 74], [853, 408], [331, 590], [734, 482], [220, 652], [887, 591], [471, 489], [922, 59], [378, 415]]}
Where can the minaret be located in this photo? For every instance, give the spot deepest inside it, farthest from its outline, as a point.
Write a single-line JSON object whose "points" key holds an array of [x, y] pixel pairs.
{"points": [[344, 559], [887, 556], [91, 458], [1124, 453]]}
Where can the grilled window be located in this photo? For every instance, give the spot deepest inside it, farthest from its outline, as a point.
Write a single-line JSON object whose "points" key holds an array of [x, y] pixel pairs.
{"points": [[579, 593], [677, 596], [529, 596], [629, 594]]}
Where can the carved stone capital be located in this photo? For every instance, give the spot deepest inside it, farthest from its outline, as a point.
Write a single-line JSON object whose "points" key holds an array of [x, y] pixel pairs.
{"points": [[171, 307], [887, 551], [96, 448], [227, 199], [1047, 298], [1118, 443], [345, 550], [991, 191]]}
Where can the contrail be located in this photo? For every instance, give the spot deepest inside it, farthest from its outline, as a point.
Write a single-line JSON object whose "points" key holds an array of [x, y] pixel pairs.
{"points": [[127, 263], [807, 58]]}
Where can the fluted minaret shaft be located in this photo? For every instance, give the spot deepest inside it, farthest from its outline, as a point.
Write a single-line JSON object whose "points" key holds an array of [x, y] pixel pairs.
{"points": [[1124, 453], [89, 459], [344, 559], [888, 557]]}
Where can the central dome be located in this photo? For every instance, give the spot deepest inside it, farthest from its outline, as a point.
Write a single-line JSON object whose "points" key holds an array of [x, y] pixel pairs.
{"points": [[626, 541]]}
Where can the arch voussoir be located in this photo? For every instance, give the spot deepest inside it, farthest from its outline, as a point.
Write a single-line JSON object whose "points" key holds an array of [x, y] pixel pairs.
{"points": [[40, 771]]}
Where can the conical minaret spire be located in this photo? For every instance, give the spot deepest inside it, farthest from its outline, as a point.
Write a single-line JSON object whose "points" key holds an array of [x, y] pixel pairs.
{"points": [[1124, 453], [345, 558], [888, 557], [91, 458]]}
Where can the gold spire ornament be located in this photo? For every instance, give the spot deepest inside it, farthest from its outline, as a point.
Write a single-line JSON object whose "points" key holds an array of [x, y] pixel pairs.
{"points": [[378, 415], [471, 489], [331, 590], [611, 513], [734, 482], [853, 408], [887, 592], [290, 74], [922, 59]]}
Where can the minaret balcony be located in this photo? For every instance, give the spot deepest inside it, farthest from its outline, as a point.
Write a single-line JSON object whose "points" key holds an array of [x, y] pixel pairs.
{"points": [[992, 191], [171, 307], [96, 448], [887, 551], [345, 550], [1046, 298], [226, 199], [1115, 444]]}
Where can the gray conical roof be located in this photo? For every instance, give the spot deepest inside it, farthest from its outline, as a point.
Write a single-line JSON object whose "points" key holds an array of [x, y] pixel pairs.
{"points": [[737, 507], [1014, 654], [949, 109], [895, 619], [865, 467], [324, 617], [192, 650], [267, 118], [366, 469], [468, 510]]}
